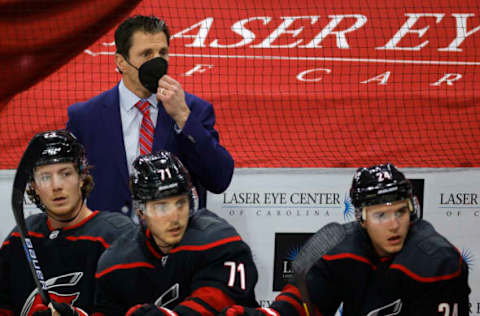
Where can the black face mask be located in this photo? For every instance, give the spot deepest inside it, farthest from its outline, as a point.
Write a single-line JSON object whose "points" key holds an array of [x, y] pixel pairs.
{"points": [[151, 71]]}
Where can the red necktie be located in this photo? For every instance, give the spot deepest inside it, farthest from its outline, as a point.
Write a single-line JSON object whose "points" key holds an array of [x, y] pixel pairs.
{"points": [[146, 129]]}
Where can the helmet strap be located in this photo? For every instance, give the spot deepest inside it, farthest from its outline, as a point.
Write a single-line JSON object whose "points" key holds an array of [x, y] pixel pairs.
{"points": [[72, 218]]}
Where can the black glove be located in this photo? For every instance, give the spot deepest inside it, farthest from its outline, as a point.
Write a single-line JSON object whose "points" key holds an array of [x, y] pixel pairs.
{"points": [[149, 310], [237, 310], [62, 308]]}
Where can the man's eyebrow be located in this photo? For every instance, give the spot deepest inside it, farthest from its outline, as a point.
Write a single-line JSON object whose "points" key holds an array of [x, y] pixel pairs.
{"points": [[66, 168], [145, 50]]}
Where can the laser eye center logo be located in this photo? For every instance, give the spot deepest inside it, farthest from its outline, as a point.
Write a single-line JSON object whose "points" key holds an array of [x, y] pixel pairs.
{"points": [[459, 198], [277, 204], [281, 198], [459, 204]]}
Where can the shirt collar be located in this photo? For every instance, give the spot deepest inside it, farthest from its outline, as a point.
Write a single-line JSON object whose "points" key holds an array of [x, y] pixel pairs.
{"points": [[128, 99]]}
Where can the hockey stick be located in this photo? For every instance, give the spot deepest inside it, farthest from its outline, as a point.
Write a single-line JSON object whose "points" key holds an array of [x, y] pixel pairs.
{"points": [[18, 193], [319, 244]]}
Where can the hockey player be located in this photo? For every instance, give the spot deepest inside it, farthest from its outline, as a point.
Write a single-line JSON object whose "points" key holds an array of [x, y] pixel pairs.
{"points": [[388, 262], [183, 261], [67, 237]]}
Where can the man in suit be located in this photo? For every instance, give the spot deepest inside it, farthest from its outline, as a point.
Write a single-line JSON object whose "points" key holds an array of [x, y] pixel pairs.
{"points": [[115, 129]]}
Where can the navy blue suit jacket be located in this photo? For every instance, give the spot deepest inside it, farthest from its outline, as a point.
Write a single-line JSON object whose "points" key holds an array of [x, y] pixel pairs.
{"points": [[97, 125]]}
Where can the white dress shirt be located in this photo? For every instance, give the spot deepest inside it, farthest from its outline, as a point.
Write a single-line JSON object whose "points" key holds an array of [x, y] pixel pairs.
{"points": [[132, 120]]}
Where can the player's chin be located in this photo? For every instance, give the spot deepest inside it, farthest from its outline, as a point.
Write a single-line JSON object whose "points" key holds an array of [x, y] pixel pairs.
{"points": [[58, 211], [61, 212], [171, 241], [393, 249]]}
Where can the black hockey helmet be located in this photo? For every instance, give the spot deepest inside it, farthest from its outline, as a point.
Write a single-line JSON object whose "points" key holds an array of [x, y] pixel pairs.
{"points": [[56, 146], [159, 175], [378, 185]]}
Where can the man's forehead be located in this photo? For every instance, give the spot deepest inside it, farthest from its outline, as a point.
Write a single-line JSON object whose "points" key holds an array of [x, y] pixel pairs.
{"points": [[169, 199], [140, 36], [388, 206], [54, 167]]}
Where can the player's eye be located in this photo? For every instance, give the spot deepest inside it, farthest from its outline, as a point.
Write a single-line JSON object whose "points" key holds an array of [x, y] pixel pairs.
{"points": [[379, 215], [160, 209], [181, 202], [164, 52], [66, 174], [43, 178], [147, 53], [401, 212]]}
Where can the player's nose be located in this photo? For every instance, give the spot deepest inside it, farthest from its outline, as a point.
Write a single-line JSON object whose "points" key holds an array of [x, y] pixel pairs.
{"points": [[57, 183]]}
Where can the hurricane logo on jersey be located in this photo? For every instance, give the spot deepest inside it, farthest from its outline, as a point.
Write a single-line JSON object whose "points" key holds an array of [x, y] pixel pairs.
{"points": [[391, 309], [169, 296], [55, 287]]}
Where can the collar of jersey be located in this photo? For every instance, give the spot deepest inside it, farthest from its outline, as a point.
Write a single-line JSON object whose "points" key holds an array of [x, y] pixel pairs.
{"points": [[81, 223], [152, 245]]}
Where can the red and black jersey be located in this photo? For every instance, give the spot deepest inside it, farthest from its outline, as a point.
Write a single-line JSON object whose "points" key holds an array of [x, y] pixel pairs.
{"points": [[427, 277], [68, 259], [210, 269]]}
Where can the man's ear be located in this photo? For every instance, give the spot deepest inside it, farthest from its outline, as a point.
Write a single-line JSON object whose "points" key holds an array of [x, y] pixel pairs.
{"points": [[120, 62], [363, 216], [31, 186], [140, 214]]}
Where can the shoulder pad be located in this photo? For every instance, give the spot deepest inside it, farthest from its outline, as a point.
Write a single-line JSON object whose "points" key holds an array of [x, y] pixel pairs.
{"points": [[125, 249], [115, 219], [110, 225], [356, 240], [35, 222], [207, 227], [428, 256], [203, 219]]}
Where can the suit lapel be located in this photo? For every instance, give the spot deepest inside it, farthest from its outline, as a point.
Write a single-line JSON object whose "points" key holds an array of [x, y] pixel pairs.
{"points": [[163, 130], [113, 136]]}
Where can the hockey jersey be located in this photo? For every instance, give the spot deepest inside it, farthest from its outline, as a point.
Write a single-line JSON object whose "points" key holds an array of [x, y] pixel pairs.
{"points": [[67, 257], [210, 268], [427, 277]]}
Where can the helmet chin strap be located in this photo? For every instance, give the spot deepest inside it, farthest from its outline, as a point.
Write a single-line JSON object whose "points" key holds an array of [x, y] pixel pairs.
{"points": [[72, 218]]}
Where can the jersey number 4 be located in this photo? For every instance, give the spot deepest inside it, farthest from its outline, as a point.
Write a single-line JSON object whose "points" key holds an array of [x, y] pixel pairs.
{"points": [[234, 268]]}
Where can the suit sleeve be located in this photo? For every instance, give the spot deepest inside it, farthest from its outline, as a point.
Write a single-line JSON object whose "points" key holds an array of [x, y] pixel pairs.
{"points": [[200, 149], [73, 125], [227, 277]]}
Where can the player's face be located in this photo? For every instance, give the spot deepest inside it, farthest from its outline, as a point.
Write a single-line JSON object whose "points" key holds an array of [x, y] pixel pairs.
{"points": [[145, 46], [59, 188], [387, 225], [167, 219]]}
